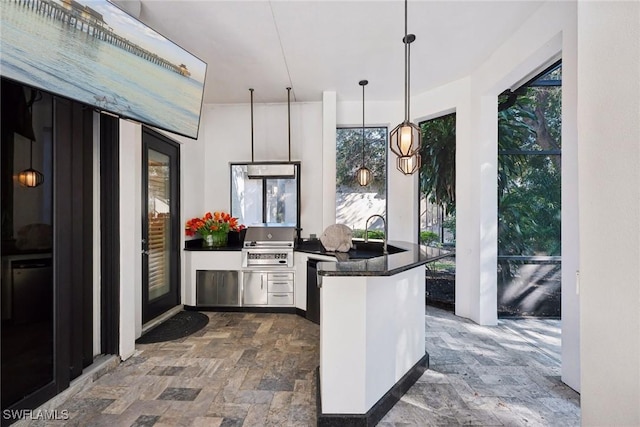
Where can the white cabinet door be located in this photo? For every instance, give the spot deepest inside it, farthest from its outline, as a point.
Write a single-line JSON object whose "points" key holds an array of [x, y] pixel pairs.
{"points": [[255, 288]]}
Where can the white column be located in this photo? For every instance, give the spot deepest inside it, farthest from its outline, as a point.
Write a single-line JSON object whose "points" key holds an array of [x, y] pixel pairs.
{"points": [[476, 210], [609, 203], [570, 184], [130, 236]]}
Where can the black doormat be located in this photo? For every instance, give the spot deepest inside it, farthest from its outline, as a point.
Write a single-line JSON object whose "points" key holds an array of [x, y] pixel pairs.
{"points": [[179, 326]]}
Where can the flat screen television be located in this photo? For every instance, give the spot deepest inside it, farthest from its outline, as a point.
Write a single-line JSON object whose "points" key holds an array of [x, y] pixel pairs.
{"points": [[94, 52]]}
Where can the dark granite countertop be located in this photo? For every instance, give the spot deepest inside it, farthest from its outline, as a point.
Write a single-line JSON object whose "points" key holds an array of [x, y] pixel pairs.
{"points": [[196, 245], [363, 262]]}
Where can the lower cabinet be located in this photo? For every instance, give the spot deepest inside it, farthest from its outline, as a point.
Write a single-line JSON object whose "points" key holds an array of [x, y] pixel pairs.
{"points": [[217, 288], [255, 288], [268, 288]]}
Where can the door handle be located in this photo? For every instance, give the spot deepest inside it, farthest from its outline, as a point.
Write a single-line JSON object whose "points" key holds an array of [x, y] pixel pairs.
{"points": [[144, 252]]}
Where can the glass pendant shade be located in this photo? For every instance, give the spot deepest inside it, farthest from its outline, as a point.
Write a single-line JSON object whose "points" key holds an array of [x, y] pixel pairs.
{"points": [[363, 175], [405, 139], [30, 178], [409, 164]]}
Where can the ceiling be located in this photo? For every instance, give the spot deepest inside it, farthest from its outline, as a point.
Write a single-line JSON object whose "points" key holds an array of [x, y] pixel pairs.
{"points": [[314, 46]]}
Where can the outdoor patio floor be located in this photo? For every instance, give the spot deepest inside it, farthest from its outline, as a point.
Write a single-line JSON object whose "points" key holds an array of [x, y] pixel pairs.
{"points": [[254, 369]]}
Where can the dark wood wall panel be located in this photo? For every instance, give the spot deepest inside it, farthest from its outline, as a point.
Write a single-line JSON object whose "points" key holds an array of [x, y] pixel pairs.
{"points": [[109, 233]]}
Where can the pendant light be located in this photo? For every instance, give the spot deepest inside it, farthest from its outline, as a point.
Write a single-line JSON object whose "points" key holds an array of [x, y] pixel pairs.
{"points": [[363, 175], [404, 139], [30, 177]]}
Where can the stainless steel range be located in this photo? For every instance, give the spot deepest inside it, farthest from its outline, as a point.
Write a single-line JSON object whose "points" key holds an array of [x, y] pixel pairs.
{"points": [[268, 246]]}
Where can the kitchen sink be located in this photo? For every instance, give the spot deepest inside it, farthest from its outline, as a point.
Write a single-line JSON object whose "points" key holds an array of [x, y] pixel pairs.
{"points": [[368, 250]]}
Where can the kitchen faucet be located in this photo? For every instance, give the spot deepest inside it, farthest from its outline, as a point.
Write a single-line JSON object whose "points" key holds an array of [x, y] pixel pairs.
{"points": [[384, 239]]}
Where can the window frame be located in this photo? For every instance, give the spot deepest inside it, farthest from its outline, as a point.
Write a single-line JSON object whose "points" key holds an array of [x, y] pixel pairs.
{"points": [[264, 180]]}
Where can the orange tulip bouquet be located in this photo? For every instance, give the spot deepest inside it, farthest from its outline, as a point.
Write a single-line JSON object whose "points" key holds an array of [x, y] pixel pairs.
{"points": [[214, 228]]}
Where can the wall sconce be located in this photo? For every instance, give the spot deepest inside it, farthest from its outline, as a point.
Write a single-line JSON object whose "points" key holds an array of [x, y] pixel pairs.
{"points": [[404, 139], [363, 175]]}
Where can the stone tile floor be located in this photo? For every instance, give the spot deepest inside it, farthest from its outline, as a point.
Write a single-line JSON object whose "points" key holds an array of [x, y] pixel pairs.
{"points": [[489, 376], [253, 369]]}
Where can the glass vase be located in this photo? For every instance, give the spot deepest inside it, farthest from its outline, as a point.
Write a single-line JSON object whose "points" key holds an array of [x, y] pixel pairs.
{"points": [[216, 239]]}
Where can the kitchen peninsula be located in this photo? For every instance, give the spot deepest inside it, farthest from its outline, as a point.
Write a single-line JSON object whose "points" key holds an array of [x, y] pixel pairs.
{"points": [[372, 332]]}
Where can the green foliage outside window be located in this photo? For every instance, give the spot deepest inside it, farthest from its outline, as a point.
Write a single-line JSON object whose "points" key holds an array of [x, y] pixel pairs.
{"points": [[529, 184], [349, 157], [438, 152]]}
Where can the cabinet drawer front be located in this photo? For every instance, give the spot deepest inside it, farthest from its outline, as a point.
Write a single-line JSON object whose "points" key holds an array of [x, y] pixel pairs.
{"points": [[280, 298], [281, 286], [280, 276]]}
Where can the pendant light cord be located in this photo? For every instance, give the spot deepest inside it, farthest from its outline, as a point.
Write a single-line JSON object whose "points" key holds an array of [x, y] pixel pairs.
{"points": [[31, 154], [363, 85], [408, 79], [406, 62], [251, 90], [289, 118]]}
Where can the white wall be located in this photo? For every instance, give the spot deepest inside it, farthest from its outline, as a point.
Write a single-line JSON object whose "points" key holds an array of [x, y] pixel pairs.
{"points": [[609, 202], [228, 139], [130, 236]]}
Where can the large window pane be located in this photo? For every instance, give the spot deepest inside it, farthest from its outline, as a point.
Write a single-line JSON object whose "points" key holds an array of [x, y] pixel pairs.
{"points": [[529, 206], [27, 295], [529, 198], [529, 287], [282, 201], [159, 223], [354, 204], [246, 196], [437, 205], [438, 181]]}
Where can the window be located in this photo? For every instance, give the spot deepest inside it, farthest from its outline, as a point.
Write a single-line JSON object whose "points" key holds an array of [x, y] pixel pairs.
{"points": [[438, 181], [437, 219], [265, 200], [529, 197], [354, 204]]}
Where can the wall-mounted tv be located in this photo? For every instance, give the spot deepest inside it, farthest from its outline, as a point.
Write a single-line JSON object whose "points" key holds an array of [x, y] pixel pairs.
{"points": [[94, 52]]}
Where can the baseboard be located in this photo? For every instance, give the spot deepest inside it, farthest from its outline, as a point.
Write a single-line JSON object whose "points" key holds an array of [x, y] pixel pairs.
{"points": [[285, 310], [381, 407]]}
